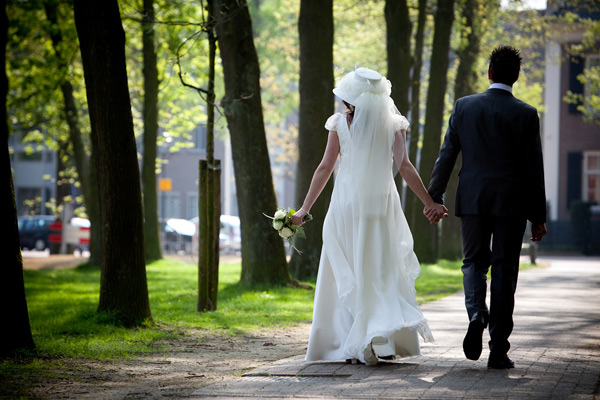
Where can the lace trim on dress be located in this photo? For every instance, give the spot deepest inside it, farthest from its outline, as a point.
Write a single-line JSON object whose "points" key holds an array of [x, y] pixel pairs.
{"points": [[400, 123], [331, 124]]}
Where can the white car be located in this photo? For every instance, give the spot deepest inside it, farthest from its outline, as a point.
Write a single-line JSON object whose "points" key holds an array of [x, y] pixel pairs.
{"points": [[230, 235]]}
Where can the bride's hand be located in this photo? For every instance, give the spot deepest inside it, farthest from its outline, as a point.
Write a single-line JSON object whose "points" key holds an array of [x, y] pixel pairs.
{"points": [[298, 217], [435, 213]]}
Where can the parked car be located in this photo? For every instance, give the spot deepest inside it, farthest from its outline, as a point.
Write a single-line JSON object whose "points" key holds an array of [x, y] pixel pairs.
{"points": [[34, 231], [176, 235], [230, 237], [230, 225], [40, 232]]}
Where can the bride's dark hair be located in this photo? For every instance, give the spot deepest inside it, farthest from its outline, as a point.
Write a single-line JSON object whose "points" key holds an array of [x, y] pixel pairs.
{"points": [[350, 107]]}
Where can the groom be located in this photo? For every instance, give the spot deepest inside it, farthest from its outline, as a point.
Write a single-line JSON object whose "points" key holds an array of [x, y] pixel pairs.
{"points": [[501, 186]]}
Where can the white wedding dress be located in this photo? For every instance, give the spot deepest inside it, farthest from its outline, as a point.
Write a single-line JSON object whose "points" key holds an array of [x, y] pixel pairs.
{"points": [[365, 300]]}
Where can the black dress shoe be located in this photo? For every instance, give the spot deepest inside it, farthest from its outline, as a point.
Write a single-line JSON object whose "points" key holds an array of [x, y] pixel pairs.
{"points": [[472, 342], [500, 362]]}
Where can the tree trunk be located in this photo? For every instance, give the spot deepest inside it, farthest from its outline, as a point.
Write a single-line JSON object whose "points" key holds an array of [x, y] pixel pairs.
{"points": [[425, 235], [315, 28], [411, 201], [93, 207], [16, 332], [209, 188], [82, 163], [63, 187], [398, 28], [209, 204], [465, 84], [151, 226], [263, 255], [123, 286]]}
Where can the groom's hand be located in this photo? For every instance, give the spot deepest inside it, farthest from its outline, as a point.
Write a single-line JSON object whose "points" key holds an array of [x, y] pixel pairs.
{"points": [[435, 213], [537, 232]]}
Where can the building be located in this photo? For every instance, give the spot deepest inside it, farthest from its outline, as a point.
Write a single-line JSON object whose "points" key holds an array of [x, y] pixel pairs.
{"points": [[571, 145]]}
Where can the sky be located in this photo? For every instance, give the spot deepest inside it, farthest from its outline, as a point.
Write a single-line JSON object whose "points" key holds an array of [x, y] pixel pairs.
{"points": [[535, 4]]}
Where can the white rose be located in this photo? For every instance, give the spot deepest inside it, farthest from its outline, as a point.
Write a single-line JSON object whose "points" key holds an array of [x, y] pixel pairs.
{"points": [[280, 214], [286, 233], [278, 224]]}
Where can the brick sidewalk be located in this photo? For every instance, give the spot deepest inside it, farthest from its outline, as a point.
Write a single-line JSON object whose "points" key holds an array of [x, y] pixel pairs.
{"points": [[555, 345]]}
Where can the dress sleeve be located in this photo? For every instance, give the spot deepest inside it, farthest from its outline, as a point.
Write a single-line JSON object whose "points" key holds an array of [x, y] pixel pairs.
{"points": [[332, 122], [400, 123]]}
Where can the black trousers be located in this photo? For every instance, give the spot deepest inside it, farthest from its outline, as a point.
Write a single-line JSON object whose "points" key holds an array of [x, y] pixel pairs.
{"points": [[496, 242]]}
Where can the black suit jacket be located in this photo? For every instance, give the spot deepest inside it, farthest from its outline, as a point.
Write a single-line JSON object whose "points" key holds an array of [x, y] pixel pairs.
{"points": [[502, 170]]}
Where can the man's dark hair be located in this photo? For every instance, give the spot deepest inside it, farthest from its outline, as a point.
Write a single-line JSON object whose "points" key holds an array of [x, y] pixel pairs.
{"points": [[505, 64]]}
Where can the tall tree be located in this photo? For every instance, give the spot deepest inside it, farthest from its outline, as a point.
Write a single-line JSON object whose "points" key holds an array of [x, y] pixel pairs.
{"points": [[123, 285], [263, 254], [71, 115], [425, 235], [17, 331], [465, 84], [410, 200], [151, 226], [315, 28], [398, 28], [399, 59]]}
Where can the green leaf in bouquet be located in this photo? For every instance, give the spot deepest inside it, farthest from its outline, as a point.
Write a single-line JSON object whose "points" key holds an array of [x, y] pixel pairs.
{"points": [[300, 232]]}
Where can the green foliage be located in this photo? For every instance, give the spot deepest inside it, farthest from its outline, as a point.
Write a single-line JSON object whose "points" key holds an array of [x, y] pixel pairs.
{"points": [[360, 36], [589, 101], [35, 73], [181, 109]]}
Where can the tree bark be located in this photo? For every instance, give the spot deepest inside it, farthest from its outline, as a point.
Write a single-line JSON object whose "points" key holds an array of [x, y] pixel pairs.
{"points": [[16, 332], [263, 255], [425, 235], [123, 286], [82, 163], [93, 207], [150, 197], [465, 84], [398, 28], [209, 204], [209, 196], [315, 28], [411, 201]]}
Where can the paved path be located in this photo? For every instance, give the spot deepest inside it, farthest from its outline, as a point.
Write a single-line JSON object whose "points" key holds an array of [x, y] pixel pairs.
{"points": [[555, 344]]}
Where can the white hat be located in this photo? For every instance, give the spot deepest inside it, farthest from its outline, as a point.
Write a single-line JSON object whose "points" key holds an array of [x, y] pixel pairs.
{"points": [[355, 83]]}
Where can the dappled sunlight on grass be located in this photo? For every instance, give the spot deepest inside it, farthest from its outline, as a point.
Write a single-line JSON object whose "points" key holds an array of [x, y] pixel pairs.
{"points": [[238, 307], [62, 307]]}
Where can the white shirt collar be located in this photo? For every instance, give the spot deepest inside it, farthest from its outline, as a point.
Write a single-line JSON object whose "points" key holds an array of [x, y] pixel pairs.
{"points": [[501, 86]]}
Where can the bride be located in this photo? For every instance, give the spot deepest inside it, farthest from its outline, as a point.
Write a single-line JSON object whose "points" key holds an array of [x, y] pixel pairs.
{"points": [[365, 300]]}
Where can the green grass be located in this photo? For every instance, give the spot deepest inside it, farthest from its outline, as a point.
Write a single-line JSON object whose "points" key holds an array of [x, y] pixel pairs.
{"points": [[62, 308], [438, 280]]}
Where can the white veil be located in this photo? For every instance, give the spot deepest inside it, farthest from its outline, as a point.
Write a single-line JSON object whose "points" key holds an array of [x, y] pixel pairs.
{"points": [[373, 127]]}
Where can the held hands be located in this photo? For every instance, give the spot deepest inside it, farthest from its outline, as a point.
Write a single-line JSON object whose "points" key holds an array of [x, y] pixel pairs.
{"points": [[435, 213]]}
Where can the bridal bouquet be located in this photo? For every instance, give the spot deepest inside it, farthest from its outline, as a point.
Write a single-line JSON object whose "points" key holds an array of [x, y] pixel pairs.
{"points": [[282, 223]]}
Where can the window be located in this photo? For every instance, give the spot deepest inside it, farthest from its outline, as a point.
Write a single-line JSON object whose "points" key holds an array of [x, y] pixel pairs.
{"points": [[24, 156], [170, 206], [591, 177], [591, 84], [192, 205], [29, 200]]}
